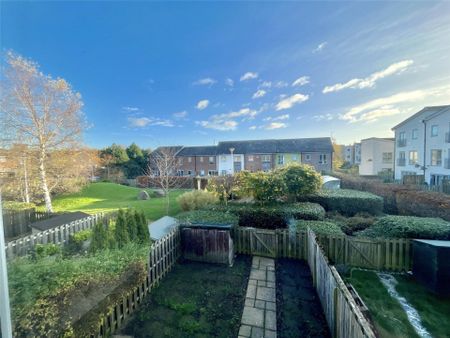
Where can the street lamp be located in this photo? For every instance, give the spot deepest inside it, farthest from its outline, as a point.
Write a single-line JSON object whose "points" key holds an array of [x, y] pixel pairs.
{"points": [[232, 161]]}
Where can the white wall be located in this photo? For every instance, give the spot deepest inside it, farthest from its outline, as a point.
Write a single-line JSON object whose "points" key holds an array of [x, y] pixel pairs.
{"points": [[372, 156], [225, 163]]}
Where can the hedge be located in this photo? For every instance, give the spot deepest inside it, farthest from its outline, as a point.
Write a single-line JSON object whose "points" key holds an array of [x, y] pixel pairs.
{"points": [[320, 227], [348, 202], [208, 216], [401, 199], [196, 199], [306, 211], [408, 227]]}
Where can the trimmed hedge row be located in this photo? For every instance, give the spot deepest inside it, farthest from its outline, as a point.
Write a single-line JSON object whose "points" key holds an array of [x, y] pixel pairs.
{"points": [[320, 227], [401, 199], [305, 210], [348, 202], [208, 216], [408, 227]]}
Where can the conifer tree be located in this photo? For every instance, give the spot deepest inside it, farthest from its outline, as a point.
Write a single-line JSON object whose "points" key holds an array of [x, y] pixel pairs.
{"points": [[131, 225], [99, 239], [121, 232], [142, 228]]}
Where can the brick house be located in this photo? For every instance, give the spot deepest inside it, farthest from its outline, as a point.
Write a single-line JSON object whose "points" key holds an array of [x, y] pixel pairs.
{"points": [[194, 161]]}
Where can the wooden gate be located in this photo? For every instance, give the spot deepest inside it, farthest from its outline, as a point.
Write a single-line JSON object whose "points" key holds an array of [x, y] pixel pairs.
{"points": [[257, 242]]}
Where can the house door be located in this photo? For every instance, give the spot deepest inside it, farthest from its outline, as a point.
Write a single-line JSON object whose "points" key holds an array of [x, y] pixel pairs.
{"points": [[237, 167]]}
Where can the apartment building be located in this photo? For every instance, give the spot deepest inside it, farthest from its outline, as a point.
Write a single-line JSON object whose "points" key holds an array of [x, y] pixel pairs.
{"points": [[377, 156], [422, 145], [352, 153], [197, 161]]}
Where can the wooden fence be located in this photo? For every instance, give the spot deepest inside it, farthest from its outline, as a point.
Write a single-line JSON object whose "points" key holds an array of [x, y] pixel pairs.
{"points": [[393, 255], [344, 317], [59, 235], [17, 222], [164, 253]]}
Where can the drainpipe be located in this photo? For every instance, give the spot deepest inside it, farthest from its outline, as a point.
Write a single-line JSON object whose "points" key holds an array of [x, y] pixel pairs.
{"points": [[232, 161], [424, 148]]}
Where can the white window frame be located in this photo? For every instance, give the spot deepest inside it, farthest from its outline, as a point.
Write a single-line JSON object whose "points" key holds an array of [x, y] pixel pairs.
{"points": [[434, 131]]}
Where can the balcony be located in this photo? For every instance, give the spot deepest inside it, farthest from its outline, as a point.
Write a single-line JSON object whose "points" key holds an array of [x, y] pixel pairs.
{"points": [[401, 162], [447, 163], [401, 142], [447, 137]]}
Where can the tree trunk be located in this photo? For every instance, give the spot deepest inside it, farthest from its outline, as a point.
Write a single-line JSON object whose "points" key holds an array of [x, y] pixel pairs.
{"points": [[43, 176], [27, 194]]}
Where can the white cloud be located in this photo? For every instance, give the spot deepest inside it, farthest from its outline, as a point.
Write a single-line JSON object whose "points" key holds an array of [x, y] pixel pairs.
{"points": [[290, 101], [301, 81], [275, 125], [130, 109], [371, 80], [229, 82], [202, 104], [252, 127], [277, 118], [280, 84], [227, 121], [320, 47], [259, 93], [323, 117], [392, 105], [141, 122], [249, 76], [181, 114], [266, 84], [207, 81]]}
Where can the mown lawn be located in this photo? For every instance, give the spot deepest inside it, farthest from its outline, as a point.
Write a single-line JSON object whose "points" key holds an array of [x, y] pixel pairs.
{"points": [[98, 197]]}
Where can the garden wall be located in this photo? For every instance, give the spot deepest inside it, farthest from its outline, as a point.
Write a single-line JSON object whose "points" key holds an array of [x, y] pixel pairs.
{"points": [[401, 199]]}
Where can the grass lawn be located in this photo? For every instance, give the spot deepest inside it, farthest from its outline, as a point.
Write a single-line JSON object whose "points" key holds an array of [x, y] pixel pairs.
{"points": [[433, 310], [102, 196], [388, 316]]}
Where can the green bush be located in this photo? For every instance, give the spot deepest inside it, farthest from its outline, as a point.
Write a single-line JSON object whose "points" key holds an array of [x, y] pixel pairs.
{"points": [[264, 187], [121, 232], [131, 225], [298, 180], [320, 227], [263, 217], [208, 216], [99, 238], [196, 199], [14, 205], [408, 227], [306, 211], [44, 250], [142, 227], [348, 202]]}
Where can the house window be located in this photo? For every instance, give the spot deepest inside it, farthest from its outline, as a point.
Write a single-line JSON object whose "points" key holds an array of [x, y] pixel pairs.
{"points": [[308, 157], [212, 172], [402, 135], [180, 161], [211, 160], [436, 157], [280, 159], [434, 130], [413, 157], [323, 159], [387, 157], [223, 158], [265, 158], [189, 159], [237, 158], [189, 172], [294, 158], [180, 173], [202, 173], [224, 172], [415, 134], [250, 158], [201, 159]]}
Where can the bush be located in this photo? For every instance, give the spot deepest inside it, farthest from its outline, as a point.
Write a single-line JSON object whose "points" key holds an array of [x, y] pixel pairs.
{"points": [[299, 180], [348, 202], [13, 205], [99, 238], [207, 216], [263, 217], [121, 232], [196, 199], [75, 242], [264, 187], [408, 227], [131, 225], [142, 227], [44, 250], [320, 227], [306, 211]]}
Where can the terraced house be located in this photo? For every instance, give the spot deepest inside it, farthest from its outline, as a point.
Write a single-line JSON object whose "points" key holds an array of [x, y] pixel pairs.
{"points": [[229, 157]]}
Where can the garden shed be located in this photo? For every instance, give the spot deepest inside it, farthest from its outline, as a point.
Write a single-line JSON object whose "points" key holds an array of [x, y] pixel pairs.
{"points": [[330, 182], [207, 243], [162, 227], [431, 265]]}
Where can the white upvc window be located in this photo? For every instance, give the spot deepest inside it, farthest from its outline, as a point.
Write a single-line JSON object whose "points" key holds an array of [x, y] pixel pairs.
{"points": [[323, 158]]}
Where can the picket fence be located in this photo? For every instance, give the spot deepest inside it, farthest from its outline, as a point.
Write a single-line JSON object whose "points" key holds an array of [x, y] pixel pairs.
{"points": [[17, 222], [343, 316], [164, 253], [392, 255], [58, 235]]}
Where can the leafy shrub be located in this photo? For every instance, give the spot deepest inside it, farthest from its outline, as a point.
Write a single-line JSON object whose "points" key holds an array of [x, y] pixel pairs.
{"points": [[264, 187], [99, 238], [131, 225], [359, 222], [142, 227], [264, 217], [320, 227], [75, 243], [306, 211], [207, 216], [348, 202], [81, 236], [14, 205], [408, 227], [121, 232], [298, 180], [196, 199], [44, 250]]}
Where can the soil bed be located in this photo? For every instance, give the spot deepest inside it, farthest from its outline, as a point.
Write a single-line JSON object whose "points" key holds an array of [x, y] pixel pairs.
{"points": [[299, 310], [194, 300]]}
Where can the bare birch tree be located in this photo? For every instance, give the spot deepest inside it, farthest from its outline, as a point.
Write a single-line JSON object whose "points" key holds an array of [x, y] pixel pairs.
{"points": [[39, 111], [163, 170]]}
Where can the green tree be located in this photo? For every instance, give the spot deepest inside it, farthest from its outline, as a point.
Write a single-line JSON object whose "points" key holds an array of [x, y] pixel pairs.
{"points": [[99, 239], [121, 232], [117, 153], [142, 228], [299, 180], [134, 152], [131, 225]]}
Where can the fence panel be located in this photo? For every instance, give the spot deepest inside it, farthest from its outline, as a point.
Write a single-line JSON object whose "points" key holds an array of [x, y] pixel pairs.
{"points": [[17, 222], [59, 235]]}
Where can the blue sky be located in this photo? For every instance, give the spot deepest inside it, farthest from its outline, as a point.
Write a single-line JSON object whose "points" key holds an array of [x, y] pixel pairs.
{"points": [[195, 73]]}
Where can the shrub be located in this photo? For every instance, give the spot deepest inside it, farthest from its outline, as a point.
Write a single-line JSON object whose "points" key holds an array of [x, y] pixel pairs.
{"points": [[44, 250], [207, 216], [131, 225], [14, 205], [264, 217], [120, 232], [99, 238], [299, 180], [142, 227], [408, 227], [306, 211], [359, 222], [320, 227], [264, 187], [75, 243], [196, 199], [348, 202]]}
